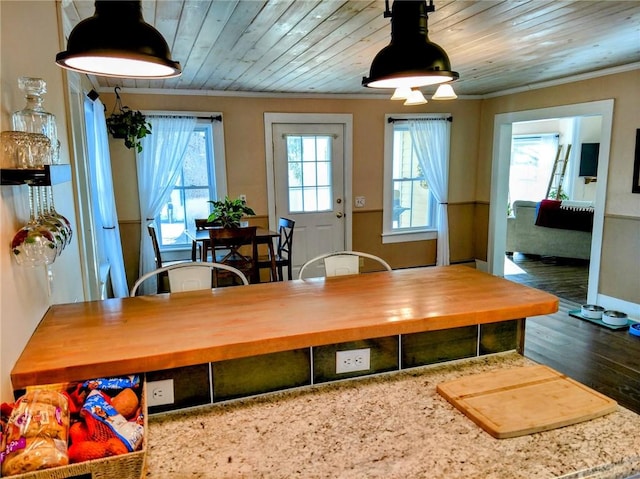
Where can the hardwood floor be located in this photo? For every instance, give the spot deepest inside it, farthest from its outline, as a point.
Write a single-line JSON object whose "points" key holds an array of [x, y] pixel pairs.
{"points": [[566, 278], [605, 360]]}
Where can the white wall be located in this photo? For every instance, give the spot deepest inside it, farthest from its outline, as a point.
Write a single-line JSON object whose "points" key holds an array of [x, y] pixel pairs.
{"points": [[590, 127], [26, 293]]}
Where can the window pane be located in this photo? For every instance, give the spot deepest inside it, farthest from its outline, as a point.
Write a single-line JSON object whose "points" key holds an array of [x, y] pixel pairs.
{"points": [[323, 148], [309, 149], [295, 200], [324, 173], [309, 174], [188, 200], [294, 148], [196, 206], [411, 196], [324, 198], [532, 161], [295, 174], [313, 173], [310, 202], [195, 162]]}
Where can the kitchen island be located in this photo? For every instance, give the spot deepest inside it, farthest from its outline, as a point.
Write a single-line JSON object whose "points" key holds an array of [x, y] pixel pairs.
{"points": [[122, 336], [391, 426]]}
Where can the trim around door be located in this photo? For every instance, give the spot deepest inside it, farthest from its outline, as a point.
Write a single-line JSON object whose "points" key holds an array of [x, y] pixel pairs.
{"points": [[318, 118], [502, 129]]}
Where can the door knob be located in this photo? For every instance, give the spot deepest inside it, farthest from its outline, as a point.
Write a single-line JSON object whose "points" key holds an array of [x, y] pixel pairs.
{"points": [[339, 214]]}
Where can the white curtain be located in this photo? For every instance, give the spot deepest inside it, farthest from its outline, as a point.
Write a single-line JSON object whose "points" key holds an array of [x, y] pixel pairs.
{"points": [[102, 198], [159, 165], [430, 139]]}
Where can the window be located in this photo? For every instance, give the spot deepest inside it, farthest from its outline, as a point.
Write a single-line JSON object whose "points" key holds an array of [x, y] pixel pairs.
{"points": [[202, 178], [532, 159], [309, 166], [409, 206]]}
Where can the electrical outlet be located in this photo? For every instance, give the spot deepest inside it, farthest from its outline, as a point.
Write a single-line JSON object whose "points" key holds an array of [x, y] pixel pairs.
{"points": [[353, 360], [360, 201], [243, 198], [160, 393]]}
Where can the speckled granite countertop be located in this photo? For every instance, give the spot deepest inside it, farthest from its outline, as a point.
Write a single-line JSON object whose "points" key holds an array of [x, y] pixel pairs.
{"points": [[389, 426]]}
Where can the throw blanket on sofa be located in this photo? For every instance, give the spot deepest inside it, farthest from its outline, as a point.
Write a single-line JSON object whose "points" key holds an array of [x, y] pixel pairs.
{"points": [[552, 214]]}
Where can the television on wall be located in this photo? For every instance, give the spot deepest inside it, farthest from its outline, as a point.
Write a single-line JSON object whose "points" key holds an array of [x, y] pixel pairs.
{"points": [[589, 159]]}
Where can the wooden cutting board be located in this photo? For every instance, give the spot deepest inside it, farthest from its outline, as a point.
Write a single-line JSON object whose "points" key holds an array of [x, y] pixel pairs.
{"points": [[519, 401]]}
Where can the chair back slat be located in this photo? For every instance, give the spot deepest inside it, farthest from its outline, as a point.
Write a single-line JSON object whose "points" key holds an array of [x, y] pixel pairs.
{"points": [[339, 265], [285, 246], [342, 262], [189, 276], [230, 241], [202, 223], [151, 228]]}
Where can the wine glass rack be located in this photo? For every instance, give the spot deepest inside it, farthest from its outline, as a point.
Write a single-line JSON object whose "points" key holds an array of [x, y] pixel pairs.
{"points": [[47, 176]]}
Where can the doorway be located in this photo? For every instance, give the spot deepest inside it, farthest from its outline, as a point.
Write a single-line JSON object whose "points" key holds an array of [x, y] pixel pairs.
{"points": [[309, 180], [503, 129]]}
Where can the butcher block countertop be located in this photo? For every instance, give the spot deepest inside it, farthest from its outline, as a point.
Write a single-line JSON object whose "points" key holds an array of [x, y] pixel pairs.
{"points": [[148, 333], [391, 426]]}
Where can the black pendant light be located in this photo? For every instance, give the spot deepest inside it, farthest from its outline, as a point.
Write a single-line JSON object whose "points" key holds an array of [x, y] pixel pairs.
{"points": [[410, 60], [117, 42]]}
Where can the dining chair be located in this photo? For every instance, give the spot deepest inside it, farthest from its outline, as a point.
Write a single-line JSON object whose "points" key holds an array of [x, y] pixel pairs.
{"points": [[189, 276], [284, 249], [161, 287], [341, 263], [196, 248], [229, 246], [204, 224]]}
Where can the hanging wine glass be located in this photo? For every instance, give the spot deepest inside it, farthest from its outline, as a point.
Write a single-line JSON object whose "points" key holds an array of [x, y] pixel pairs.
{"points": [[57, 228], [33, 245], [51, 211]]}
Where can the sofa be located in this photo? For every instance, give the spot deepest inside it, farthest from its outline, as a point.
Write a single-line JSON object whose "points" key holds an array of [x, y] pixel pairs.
{"points": [[525, 236]]}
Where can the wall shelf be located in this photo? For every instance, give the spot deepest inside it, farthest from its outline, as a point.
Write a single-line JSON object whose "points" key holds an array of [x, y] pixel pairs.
{"points": [[49, 175]]}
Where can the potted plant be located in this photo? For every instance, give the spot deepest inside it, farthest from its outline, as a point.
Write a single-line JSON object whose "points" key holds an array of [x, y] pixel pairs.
{"points": [[128, 124], [228, 213]]}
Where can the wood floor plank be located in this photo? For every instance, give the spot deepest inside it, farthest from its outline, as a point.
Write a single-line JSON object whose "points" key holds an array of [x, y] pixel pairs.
{"points": [[603, 359]]}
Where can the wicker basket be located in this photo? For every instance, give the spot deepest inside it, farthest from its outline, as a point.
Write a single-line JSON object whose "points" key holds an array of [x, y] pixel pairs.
{"points": [[123, 466]]}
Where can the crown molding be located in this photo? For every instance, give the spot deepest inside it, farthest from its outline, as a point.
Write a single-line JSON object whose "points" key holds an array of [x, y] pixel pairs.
{"points": [[565, 80], [364, 96]]}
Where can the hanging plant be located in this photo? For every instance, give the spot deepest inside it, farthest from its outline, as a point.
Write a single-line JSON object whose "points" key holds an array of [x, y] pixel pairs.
{"points": [[130, 125]]}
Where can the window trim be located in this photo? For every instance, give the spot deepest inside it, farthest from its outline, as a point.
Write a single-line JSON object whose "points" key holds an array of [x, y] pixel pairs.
{"points": [[390, 236]]}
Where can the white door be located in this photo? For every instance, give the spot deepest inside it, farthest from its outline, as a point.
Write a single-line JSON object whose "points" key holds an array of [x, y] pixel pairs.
{"points": [[309, 187]]}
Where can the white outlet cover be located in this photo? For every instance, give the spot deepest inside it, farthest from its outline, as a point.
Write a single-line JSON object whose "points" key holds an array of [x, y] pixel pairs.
{"points": [[160, 393], [353, 360], [359, 201]]}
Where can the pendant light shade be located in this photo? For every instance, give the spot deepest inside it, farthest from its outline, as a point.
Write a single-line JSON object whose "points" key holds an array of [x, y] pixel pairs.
{"points": [[117, 42], [444, 92], [415, 98], [401, 93], [410, 60]]}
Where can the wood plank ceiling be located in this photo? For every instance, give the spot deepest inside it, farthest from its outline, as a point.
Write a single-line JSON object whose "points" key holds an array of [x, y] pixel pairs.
{"points": [[326, 46]]}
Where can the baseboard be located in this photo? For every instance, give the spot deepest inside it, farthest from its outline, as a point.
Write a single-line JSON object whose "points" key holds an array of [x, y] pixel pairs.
{"points": [[616, 304]]}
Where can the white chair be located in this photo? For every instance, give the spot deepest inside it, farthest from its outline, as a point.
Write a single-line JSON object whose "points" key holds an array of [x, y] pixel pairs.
{"points": [[161, 282], [341, 263], [188, 276]]}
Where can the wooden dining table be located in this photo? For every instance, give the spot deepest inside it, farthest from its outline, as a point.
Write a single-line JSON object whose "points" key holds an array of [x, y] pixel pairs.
{"points": [[263, 236], [130, 335]]}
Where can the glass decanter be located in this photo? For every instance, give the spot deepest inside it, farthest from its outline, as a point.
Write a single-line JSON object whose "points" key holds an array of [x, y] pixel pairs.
{"points": [[33, 118]]}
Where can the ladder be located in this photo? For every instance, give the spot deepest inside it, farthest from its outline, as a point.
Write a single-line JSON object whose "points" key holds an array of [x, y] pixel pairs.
{"points": [[558, 172]]}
